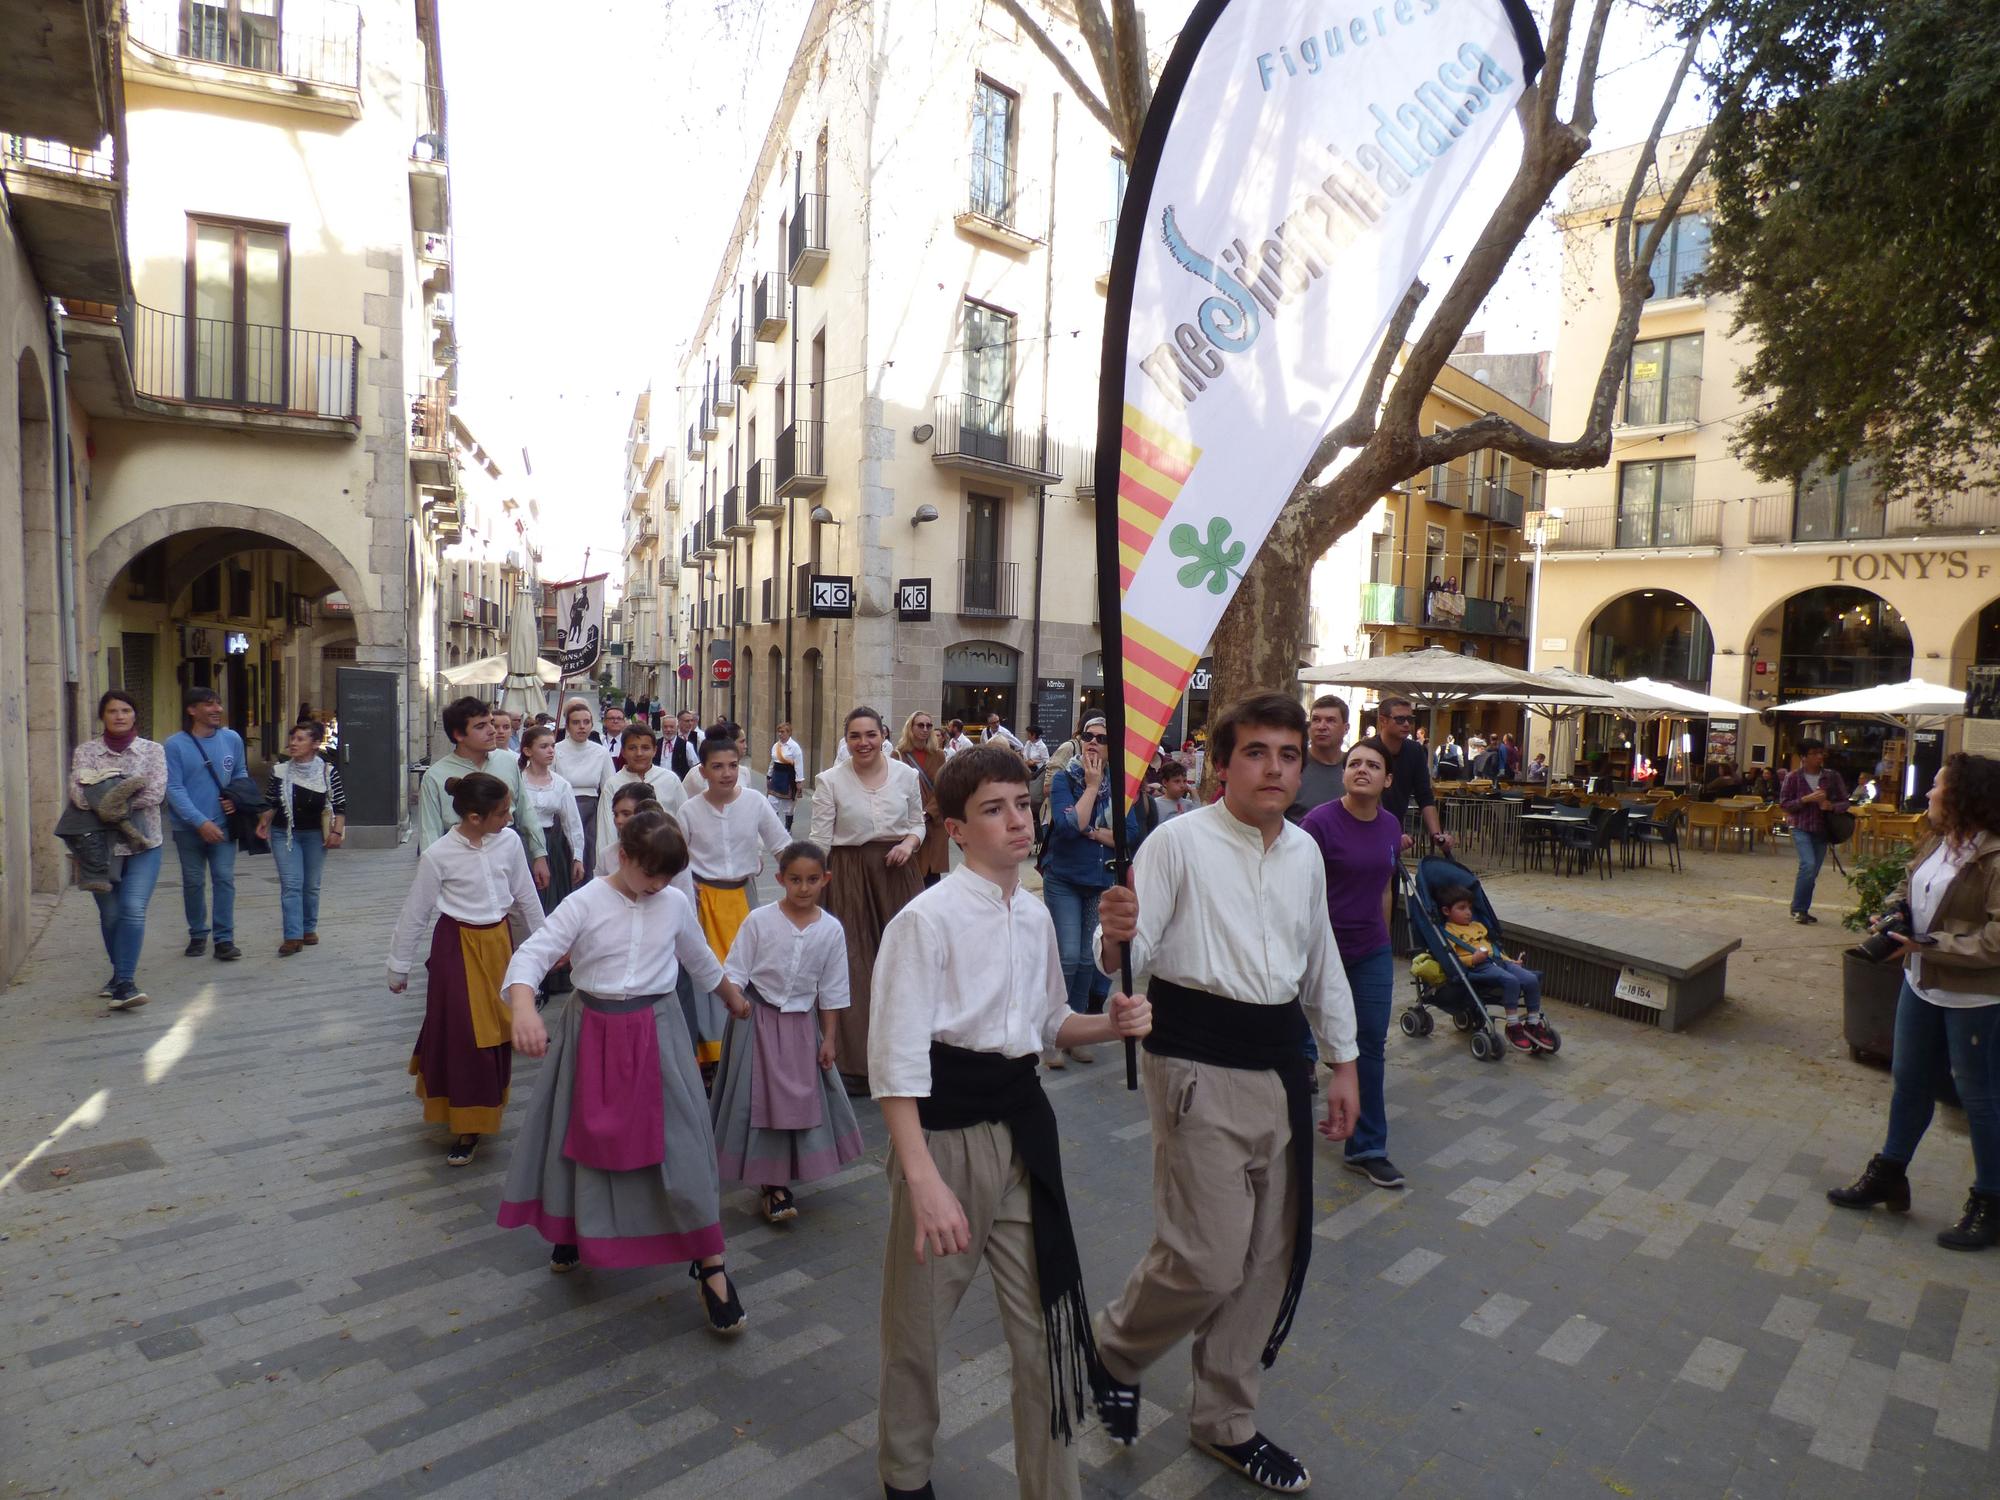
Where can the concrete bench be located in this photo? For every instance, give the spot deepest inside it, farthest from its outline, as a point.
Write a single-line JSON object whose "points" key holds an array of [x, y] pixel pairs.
{"points": [[1641, 971]]}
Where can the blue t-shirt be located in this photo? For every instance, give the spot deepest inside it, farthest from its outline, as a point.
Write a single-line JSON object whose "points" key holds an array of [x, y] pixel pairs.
{"points": [[193, 798], [1360, 862]]}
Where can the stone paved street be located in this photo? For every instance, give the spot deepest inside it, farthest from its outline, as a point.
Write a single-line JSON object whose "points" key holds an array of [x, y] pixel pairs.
{"points": [[235, 1264]]}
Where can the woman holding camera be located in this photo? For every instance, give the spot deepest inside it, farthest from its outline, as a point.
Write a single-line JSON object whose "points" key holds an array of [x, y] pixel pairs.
{"points": [[1948, 1016]]}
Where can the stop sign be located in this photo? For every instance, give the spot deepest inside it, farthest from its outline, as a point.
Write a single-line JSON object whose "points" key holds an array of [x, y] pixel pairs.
{"points": [[723, 670]]}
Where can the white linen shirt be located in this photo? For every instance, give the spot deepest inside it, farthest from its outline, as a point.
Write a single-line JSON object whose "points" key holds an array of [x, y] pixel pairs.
{"points": [[967, 964], [556, 803], [726, 842], [586, 767], [795, 968], [846, 813], [1219, 912], [478, 884], [695, 782], [619, 947], [666, 787]]}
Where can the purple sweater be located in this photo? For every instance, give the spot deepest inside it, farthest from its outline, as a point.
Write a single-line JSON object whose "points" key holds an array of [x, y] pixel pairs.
{"points": [[1360, 861], [1811, 817]]}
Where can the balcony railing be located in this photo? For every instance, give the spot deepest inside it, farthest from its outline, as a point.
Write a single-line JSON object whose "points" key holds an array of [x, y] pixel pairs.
{"points": [[999, 203], [323, 49], [809, 245], [709, 425], [1449, 487], [1387, 604], [767, 306], [1653, 403], [52, 156], [760, 497], [1085, 468], [430, 423], [1485, 497], [722, 392], [1606, 528], [973, 432], [215, 362], [1820, 515], [743, 355], [801, 458], [986, 588], [696, 443], [1495, 617], [736, 518]]}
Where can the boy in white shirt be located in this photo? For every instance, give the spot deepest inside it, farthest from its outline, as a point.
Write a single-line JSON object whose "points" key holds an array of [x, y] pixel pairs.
{"points": [[968, 990], [641, 751]]}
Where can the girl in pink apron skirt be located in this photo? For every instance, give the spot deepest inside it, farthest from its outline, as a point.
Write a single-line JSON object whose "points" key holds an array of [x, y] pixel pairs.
{"points": [[615, 1163]]}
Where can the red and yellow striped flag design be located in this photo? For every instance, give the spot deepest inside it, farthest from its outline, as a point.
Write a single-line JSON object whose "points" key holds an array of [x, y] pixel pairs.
{"points": [[1153, 464]]}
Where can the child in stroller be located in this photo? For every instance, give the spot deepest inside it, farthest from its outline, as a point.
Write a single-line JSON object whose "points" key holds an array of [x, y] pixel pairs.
{"points": [[1488, 970]]}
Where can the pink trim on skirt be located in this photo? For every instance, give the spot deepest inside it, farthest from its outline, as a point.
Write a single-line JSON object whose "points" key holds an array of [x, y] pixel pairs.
{"points": [[613, 1254], [784, 1076], [781, 1171], [617, 1117]]}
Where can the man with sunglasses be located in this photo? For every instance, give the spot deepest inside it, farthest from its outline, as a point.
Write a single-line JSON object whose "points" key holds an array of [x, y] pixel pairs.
{"points": [[1409, 768]]}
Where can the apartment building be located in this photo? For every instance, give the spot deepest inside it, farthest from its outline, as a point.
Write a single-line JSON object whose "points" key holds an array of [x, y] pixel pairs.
{"points": [[652, 573], [1443, 560], [483, 574], [226, 277], [1675, 561], [888, 404]]}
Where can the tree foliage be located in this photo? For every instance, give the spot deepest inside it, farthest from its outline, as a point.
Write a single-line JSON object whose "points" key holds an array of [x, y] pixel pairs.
{"points": [[1858, 223]]}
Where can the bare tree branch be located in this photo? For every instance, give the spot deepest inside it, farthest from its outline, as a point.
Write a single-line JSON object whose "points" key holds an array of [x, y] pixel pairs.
{"points": [[1128, 31], [1583, 118], [1359, 425], [1621, 247], [1095, 28], [1085, 96], [1555, 59]]}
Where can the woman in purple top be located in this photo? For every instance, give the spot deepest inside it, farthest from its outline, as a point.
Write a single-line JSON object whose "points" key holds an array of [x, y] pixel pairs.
{"points": [[1360, 844]]}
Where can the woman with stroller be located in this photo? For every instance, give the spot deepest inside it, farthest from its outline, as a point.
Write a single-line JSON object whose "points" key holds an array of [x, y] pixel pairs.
{"points": [[1360, 844], [1948, 1014]]}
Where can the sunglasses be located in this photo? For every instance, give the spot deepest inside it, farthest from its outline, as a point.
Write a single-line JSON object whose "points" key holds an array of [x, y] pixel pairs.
{"points": [[1402, 718], [1096, 739]]}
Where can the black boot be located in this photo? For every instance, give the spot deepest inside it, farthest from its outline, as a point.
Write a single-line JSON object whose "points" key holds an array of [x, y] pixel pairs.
{"points": [[1979, 1228], [1885, 1182]]}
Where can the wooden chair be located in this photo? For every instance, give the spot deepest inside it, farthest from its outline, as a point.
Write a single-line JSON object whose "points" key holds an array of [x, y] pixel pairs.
{"points": [[1897, 829], [1711, 818]]}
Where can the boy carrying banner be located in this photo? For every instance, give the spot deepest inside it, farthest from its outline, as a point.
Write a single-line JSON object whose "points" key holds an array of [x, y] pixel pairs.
{"points": [[968, 990], [1230, 941]]}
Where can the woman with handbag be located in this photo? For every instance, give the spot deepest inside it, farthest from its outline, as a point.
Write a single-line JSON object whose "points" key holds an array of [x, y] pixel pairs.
{"points": [[1809, 794], [1948, 1014], [305, 802], [121, 752]]}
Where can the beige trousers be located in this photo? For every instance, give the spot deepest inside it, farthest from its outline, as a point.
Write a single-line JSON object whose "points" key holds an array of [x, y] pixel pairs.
{"points": [[1222, 1239], [979, 1165]]}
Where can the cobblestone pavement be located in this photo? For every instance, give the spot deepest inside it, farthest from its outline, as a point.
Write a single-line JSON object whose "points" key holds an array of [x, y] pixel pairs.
{"points": [[235, 1264]]}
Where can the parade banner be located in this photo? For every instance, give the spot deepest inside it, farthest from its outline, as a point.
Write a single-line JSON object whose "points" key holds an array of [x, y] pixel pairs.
{"points": [[580, 614], [1297, 166]]}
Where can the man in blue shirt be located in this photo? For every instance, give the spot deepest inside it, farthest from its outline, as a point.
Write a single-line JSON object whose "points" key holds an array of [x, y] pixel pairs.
{"points": [[201, 761]]}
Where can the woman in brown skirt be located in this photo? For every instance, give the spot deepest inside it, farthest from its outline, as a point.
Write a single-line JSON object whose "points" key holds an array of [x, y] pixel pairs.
{"points": [[917, 747], [869, 811]]}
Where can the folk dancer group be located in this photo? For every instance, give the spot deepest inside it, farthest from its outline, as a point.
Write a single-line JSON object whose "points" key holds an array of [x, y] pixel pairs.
{"points": [[959, 989]]}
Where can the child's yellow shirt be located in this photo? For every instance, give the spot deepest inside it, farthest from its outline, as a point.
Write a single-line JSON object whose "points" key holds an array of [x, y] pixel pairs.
{"points": [[1469, 938]]}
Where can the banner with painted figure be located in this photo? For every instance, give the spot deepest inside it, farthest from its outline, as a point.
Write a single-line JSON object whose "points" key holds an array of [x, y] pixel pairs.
{"points": [[1297, 167], [580, 618]]}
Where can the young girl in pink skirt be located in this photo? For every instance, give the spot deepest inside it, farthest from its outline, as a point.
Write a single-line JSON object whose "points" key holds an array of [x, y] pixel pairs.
{"points": [[615, 1163]]}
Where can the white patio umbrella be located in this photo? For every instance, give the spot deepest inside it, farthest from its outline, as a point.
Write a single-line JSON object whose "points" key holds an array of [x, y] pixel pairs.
{"points": [[1910, 706], [523, 691], [491, 671], [1692, 705], [1435, 678], [1582, 693]]}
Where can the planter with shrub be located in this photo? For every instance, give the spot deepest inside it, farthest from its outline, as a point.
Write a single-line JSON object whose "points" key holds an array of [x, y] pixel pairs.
{"points": [[1868, 990]]}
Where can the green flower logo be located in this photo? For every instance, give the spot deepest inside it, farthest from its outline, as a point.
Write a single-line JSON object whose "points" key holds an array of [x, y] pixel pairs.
{"points": [[1214, 561]]}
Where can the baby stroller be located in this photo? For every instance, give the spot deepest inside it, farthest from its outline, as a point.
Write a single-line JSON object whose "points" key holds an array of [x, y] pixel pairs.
{"points": [[1453, 994]]}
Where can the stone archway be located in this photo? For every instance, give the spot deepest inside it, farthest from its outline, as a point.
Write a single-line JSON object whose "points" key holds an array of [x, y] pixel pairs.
{"points": [[1654, 633]]}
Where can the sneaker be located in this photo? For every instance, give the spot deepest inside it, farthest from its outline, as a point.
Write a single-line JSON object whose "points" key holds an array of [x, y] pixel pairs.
{"points": [[227, 953], [110, 988], [1804, 918], [564, 1260], [195, 948], [1117, 1406], [127, 996], [1519, 1039], [461, 1152], [1377, 1169], [1544, 1035], [1261, 1461]]}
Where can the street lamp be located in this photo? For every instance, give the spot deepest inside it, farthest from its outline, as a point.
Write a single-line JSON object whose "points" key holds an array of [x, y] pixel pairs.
{"points": [[1547, 530]]}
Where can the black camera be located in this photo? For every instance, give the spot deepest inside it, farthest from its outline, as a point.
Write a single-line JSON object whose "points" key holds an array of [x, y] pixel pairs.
{"points": [[1880, 945]]}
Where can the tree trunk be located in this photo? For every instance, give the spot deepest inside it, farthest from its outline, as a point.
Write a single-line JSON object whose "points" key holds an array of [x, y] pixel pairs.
{"points": [[1256, 647]]}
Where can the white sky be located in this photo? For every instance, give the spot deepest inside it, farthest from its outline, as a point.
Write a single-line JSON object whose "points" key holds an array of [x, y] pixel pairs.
{"points": [[598, 151]]}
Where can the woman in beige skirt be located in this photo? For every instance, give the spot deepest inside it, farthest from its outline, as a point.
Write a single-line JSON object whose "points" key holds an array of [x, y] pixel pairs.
{"points": [[868, 811]]}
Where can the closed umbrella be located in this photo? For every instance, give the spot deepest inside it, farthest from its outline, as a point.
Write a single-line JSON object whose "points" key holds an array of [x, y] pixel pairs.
{"points": [[491, 671], [522, 692]]}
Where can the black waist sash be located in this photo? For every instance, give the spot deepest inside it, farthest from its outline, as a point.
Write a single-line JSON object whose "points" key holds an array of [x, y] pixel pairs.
{"points": [[1201, 1027], [976, 1088]]}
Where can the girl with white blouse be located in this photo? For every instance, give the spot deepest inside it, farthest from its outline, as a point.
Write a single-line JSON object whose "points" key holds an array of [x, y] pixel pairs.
{"points": [[868, 813], [552, 800], [473, 878], [586, 766]]}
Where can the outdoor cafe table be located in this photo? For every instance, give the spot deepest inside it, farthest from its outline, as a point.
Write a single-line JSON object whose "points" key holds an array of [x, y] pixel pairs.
{"points": [[1553, 822]]}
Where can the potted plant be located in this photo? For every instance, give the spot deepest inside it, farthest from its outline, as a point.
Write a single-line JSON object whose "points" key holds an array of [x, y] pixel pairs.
{"points": [[1868, 990]]}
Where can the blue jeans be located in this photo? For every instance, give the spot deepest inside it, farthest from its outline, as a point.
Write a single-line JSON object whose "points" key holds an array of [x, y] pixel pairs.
{"points": [[1372, 978], [1931, 1040], [300, 859], [1074, 909], [1811, 849], [1517, 986], [202, 863], [121, 911]]}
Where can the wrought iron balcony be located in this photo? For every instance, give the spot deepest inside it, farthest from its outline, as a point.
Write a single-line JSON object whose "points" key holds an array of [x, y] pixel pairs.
{"points": [[325, 49], [430, 433], [999, 204], [801, 458], [1666, 402], [809, 245], [1086, 473], [249, 366], [974, 433], [70, 209], [1606, 528], [767, 306], [721, 392], [760, 498], [986, 588], [735, 520], [742, 355], [1388, 604], [709, 426], [697, 443]]}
